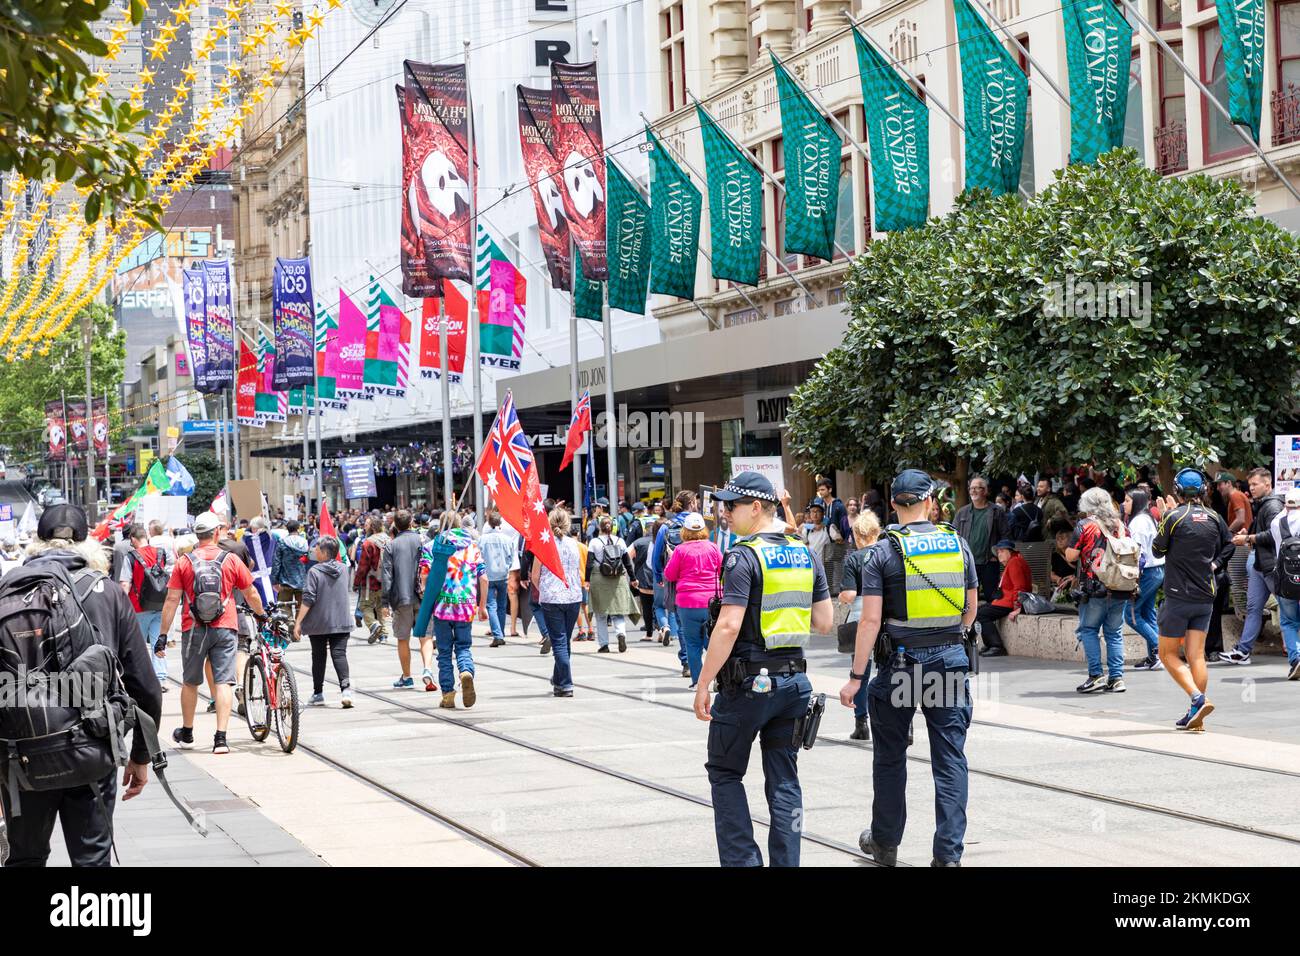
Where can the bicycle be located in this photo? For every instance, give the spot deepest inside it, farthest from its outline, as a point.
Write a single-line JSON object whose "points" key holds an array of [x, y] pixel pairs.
{"points": [[270, 689]]}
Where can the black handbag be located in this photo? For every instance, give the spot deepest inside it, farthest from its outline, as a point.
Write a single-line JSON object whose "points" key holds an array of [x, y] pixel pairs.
{"points": [[847, 636]]}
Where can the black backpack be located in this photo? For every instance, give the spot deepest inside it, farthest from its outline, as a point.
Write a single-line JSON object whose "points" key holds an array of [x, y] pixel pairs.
{"points": [[207, 604], [70, 727], [1286, 571], [611, 559], [153, 583]]}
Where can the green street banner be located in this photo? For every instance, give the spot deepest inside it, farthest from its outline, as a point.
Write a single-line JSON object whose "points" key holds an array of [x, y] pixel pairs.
{"points": [[812, 171], [675, 205], [995, 94], [1241, 24], [586, 292], [1097, 44], [627, 242], [735, 205], [898, 130]]}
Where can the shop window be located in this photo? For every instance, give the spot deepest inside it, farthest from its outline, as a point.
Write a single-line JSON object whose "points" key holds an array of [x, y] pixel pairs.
{"points": [[1285, 101], [1219, 139], [1133, 116]]}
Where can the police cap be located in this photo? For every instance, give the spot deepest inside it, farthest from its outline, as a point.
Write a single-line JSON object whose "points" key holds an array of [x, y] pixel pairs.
{"points": [[911, 486], [747, 484]]}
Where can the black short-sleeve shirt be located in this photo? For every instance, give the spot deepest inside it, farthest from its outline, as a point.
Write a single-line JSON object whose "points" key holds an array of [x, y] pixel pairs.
{"points": [[742, 586]]}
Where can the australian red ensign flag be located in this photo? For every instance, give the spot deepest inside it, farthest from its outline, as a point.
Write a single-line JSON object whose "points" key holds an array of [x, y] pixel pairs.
{"points": [[579, 425], [509, 472]]}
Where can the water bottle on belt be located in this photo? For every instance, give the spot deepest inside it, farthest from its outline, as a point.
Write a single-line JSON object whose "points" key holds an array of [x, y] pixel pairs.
{"points": [[762, 683]]}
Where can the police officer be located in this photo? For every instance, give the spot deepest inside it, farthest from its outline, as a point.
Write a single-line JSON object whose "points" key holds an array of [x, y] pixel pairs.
{"points": [[774, 594], [920, 579]]}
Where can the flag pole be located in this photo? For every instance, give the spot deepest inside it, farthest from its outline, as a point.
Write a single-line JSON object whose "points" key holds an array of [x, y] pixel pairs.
{"points": [[611, 414], [67, 445], [780, 187], [812, 300], [1246, 137], [1024, 51], [573, 364], [445, 382], [473, 330]]}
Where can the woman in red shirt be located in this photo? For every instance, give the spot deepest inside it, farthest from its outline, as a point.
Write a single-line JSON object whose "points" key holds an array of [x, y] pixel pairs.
{"points": [[1016, 577]]}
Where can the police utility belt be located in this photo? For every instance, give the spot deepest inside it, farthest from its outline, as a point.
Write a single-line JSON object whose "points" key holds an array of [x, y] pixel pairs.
{"points": [[735, 672]]}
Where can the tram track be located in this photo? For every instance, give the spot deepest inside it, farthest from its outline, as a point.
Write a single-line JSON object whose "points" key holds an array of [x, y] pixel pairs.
{"points": [[1094, 796]]}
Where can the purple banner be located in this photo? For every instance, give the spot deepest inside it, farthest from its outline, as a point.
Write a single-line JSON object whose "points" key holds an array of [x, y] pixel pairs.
{"points": [[195, 324], [220, 325], [295, 339]]}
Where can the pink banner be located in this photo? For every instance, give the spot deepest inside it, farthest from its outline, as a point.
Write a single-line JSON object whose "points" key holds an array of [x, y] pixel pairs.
{"points": [[390, 332], [501, 303], [350, 365]]}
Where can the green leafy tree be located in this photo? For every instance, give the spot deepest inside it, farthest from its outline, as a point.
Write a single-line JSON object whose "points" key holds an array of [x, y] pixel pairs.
{"points": [[208, 478], [51, 125], [957, 354], [27, 384]]}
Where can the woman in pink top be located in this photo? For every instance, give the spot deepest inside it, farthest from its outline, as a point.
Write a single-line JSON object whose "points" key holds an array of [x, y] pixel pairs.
{"points": [[693, 569]]}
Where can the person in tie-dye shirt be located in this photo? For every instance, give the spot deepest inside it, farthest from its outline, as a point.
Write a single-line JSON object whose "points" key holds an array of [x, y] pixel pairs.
{"points": [[462, 598]]}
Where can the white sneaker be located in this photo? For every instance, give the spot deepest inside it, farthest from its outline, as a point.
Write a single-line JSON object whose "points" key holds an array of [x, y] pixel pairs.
{"points": [[1234, 656], [347, 699], [1158, 665]]}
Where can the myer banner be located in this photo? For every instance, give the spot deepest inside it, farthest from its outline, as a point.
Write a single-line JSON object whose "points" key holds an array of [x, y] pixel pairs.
{"points": [[675, 205], [291, 308], [246, 388], [542, 170], [502, 304], [1241, 23], [898, 129], [580, 148], [350, 359], [1097, 44], [416, 281], [219, 327], [628, 243], [735, 205], [457, 317], [811, 149], [195, 325], [438, 194], [995, 93]]}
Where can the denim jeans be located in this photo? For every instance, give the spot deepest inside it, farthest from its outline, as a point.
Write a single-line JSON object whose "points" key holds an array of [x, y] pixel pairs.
{"points": [[151, 626], [738, 717], [1104, 615], [453, 641], [1258, 587], [498, 605], [695, 637], [892, 702], [1141, 613], [602, 627], [560, 619], [1290, 613]]}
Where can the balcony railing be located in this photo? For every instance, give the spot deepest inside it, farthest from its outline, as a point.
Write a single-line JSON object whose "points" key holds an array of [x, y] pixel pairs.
{"points": [[1286, 115], [1171, 148]]}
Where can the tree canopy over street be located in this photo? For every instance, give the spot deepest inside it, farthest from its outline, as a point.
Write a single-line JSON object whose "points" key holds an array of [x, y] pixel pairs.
{"points": [[986, 338]]}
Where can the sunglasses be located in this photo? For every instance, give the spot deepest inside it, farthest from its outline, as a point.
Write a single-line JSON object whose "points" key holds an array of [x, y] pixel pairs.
{"points": [[730, 506]]}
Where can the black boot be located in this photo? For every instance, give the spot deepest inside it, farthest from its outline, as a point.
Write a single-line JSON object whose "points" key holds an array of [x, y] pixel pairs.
{"points": [[861, 730], [883, 855]]}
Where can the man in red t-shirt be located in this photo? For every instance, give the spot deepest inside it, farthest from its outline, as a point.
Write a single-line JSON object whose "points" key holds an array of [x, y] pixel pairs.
{"points": [[216, 642], [140, 558], [1016, 577]]}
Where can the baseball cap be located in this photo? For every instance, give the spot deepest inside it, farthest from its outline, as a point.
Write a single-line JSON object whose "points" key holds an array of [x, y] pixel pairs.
{"points": [[1292, 498], [1005, 543], [1224, 476], [1189, 479], [912, 482], [603, 502], [62, 521], [747, 484], [206, 523], [639, 506], [694, 522], [816, 503]]}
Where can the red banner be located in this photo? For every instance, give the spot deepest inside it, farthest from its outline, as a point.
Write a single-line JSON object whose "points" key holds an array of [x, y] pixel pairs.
{"points": [[436, 175], [56, 431], [79, 436], [580, 149], [246, 385], [457, 322], [416, 281], [99, 427], [542, 168]]}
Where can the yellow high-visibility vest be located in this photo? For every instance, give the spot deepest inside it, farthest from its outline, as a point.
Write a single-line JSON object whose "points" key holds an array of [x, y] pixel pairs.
{"points": [[785, 616]]}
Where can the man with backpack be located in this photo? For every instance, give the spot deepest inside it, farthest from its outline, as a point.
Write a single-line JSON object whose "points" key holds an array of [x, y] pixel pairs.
{"points": [[205, 580], [369, 580], [1195, 543], [668, 538], [400, 567], [144, 578], [105, 641], [1285, 530]]}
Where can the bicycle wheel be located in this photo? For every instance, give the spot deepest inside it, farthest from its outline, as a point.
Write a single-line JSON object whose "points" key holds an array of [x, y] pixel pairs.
{"points": [[256, 699], [287, 707]]}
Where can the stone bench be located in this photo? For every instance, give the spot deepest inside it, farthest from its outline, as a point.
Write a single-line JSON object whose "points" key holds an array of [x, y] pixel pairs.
{"points": [[1052, 637]]}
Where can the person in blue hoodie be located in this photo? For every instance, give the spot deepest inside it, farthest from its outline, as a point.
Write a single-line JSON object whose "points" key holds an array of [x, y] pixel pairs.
{"points": [[289, 569]]}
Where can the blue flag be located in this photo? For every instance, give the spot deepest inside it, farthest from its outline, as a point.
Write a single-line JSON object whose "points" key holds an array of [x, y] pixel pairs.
{"points": [[182, 480], [589, 488], [261, 548]]}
